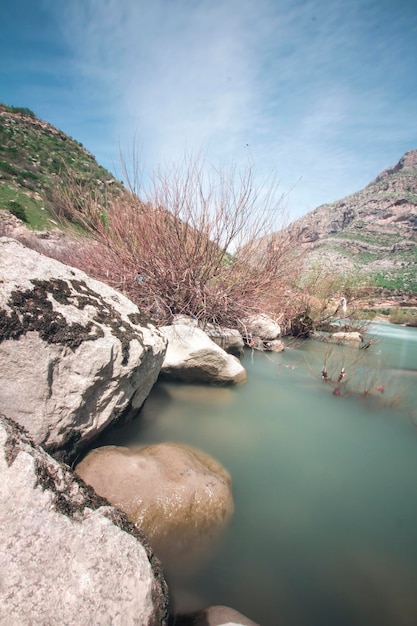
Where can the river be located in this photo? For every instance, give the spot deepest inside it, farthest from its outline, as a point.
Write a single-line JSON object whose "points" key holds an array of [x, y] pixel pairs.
{"points": [[325, 485]]}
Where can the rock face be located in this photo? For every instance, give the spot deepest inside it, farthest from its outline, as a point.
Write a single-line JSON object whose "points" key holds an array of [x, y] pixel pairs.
{"points": [[179, 496], [67, 556], [373, 230], [74, 353], [192, 357]]}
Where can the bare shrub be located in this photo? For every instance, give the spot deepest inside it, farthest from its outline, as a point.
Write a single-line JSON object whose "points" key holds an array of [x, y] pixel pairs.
{"points": [[198, 244]]}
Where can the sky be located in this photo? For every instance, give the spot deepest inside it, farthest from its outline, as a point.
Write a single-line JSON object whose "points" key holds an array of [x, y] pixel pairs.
{"points": [[320, 95]]}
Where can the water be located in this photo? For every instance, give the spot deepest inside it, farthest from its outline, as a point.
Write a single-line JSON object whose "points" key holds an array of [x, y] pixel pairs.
{"points": [[325, 525]]}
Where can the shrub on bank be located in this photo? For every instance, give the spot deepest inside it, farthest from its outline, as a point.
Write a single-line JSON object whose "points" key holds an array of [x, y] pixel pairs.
{"points": [[199, 244], [407, 317]]}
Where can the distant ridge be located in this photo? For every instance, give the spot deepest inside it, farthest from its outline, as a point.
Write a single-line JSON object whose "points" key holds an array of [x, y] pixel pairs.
{"points": [[373, 231]]}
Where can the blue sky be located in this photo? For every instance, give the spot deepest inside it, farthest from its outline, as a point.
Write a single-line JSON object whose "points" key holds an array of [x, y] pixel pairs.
{"points": [[322, 93]]}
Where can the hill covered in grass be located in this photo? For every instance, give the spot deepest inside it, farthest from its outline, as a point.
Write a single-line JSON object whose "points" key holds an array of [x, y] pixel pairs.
{"points": [[36, 159]]}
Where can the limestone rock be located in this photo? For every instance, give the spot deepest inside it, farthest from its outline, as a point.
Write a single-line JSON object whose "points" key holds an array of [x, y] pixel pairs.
{"points": [[348, 338], [192, 356], [67, 556], [229, 339], [276, 345], [262, 326], [178, 496], [74, 353], [214, 616]]}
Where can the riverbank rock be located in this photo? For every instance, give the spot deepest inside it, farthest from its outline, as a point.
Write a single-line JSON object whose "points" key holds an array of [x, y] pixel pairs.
{"points": [[229, 339], [262, 333], [74, 353], [262, 326], [67, 556], [193, 357], [178, 496], [214, 616], [345, 338]]}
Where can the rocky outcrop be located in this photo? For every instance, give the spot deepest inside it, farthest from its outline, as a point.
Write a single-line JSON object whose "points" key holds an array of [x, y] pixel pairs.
{"points": [[178, 495], [74, 353], [67, 556], [192, 357], [214, 616], [372, 231]]}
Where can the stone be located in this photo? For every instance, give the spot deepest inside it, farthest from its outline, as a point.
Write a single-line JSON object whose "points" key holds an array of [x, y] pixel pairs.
{"points": [[74, 353], [214, 616], [262, 326], [229, 339], [348, 338], [185, 319], [276, 345], [179, 496], [193, 357], [67, 556]]}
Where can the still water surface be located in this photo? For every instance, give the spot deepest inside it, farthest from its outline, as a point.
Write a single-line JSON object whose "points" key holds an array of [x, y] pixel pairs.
{"points": [[325, 486]]}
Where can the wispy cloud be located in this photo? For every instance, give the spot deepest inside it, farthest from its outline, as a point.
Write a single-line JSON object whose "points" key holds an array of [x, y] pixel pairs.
{"points": [[309, 85]]}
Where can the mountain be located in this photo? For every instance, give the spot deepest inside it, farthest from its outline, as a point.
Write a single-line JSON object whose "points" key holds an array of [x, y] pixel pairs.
{"points": [[35, 160], [372, 232]]}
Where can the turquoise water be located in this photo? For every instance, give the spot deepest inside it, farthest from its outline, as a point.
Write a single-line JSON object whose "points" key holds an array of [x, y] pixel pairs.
{"points": [[325, 486]]}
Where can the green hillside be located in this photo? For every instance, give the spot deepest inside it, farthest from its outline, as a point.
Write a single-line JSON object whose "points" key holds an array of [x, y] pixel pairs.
{"points": [[36, 159]]}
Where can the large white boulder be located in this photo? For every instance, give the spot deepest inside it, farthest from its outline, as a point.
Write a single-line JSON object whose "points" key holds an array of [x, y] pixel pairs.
{"points": [[179, 496], [67, 556], [193, 357], [74, 353]]}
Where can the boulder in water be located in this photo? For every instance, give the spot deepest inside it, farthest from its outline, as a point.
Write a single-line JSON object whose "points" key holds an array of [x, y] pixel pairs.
{"points": [[179, 496]]}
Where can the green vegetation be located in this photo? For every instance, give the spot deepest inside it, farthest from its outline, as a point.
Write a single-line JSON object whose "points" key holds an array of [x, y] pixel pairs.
{"points": [[36, 160], [404, 316], [20, 110]]}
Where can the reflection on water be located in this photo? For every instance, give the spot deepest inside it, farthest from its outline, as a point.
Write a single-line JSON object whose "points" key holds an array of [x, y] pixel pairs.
{"points": [[324, 531]]}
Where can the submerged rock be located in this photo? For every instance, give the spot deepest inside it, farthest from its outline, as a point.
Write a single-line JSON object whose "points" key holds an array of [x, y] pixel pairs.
{"points": [[214, 616], [193, 357], [67, 556], [74, 353], [179, 496]]}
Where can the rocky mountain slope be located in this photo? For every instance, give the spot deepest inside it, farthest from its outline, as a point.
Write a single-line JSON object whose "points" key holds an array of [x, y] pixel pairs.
{"points": [[373, 231]]}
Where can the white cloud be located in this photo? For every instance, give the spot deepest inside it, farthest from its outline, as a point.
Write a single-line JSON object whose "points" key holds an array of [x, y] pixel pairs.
{"points": [[308, 85]]}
